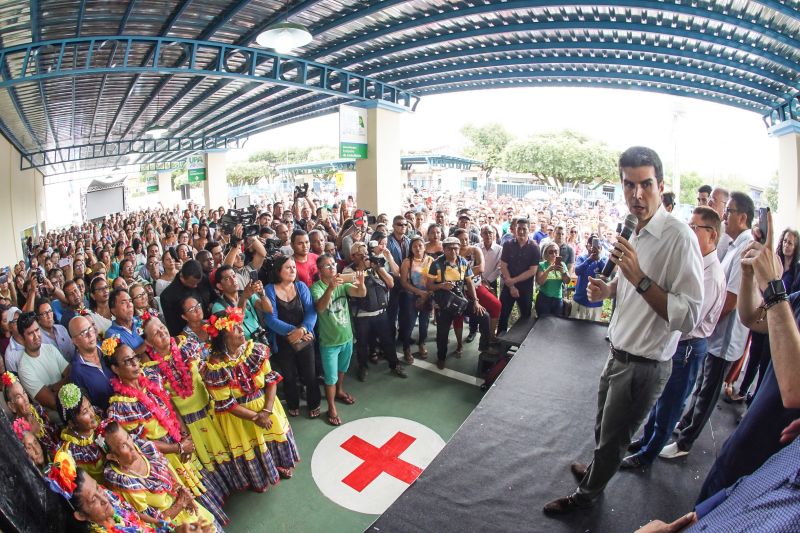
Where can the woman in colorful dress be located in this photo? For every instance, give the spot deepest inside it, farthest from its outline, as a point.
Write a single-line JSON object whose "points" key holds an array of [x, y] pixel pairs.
{"points": [[176, 362], [144, 409], [33, 448], [138, 472], [21, 406], [78, 437], [243, 385], [195, 324]]}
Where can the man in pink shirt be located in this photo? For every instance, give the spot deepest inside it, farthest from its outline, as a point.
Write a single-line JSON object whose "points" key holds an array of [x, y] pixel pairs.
{"points": [[305, 260]]}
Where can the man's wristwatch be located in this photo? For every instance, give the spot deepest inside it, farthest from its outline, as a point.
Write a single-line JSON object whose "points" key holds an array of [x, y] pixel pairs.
{"points": [[643, 285], [774, 293]]}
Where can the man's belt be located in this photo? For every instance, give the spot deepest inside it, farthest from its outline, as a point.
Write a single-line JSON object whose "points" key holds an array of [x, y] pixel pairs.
{"points": [[625, 357]]}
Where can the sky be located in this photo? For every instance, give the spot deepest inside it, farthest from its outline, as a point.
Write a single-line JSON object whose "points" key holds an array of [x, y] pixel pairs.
{"points": [[715, 140]]}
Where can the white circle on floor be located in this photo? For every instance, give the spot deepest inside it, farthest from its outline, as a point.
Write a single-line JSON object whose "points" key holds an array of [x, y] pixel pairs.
{"points": [[366, 464]]}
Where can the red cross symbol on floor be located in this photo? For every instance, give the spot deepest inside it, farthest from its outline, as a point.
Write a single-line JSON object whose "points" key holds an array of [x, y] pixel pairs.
{"points": [[377, 460]]}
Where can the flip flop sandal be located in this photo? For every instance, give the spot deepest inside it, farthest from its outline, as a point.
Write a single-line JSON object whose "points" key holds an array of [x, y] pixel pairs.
{"points": [[285, 473], [293, 412], [334, 420], [346, 399], [459, 352], [314, 413]]}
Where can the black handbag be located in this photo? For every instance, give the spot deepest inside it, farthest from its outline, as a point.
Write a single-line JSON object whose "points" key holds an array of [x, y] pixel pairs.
{"points": [[451, 302]]}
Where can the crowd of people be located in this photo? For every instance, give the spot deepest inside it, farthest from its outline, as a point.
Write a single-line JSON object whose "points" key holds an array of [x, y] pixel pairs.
{"points": [[142, 354]]}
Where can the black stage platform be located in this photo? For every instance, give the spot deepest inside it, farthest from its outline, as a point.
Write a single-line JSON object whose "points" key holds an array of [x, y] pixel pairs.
{"points": [[513, 452]]}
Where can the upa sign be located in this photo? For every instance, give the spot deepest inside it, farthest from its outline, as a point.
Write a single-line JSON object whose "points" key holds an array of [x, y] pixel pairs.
{"points": [[365, 465], [197, 168], [352, 132]]}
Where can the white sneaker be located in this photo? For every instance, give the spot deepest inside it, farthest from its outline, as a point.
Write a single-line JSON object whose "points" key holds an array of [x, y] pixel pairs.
{"points": [[672, 452]]}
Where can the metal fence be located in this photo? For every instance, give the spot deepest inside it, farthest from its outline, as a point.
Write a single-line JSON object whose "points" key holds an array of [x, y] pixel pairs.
{"points": [[520, 190]]}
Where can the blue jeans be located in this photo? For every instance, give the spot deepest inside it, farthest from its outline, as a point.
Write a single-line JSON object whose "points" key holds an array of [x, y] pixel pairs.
{"points": [[686, 363], [409, 315]]}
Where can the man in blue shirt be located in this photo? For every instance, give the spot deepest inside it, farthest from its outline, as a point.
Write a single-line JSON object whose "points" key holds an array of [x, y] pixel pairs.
{"points": [[89, 371], [125, 325], [588, 265]]}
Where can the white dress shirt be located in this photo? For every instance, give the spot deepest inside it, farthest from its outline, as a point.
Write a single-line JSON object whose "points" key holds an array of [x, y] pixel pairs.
{"points": [[730, 335], [668, 254], [491, 261], [713, 297]]}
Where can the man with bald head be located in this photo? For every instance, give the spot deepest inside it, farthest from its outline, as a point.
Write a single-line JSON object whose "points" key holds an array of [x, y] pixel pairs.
{"points": [[89, 371]]}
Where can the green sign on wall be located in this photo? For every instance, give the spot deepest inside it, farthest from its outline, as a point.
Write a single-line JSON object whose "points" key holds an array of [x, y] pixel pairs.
{"points": [[197, 168], [151, 180]]}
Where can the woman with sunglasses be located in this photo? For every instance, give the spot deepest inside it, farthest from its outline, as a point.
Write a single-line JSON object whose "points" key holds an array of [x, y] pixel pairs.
{"points": [[551, 277]]}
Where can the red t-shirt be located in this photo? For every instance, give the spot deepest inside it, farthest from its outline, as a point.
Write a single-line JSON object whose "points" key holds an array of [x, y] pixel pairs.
{"points": [[307, 272]]}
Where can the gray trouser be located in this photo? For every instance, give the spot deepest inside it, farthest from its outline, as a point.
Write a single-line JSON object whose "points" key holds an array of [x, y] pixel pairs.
{"points": [[626, 394]]}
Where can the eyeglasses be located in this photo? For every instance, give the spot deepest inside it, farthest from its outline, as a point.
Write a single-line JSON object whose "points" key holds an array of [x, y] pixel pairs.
{"points": [[139, 296], [85, 333], [401, 224], [130, 361], [44, 314], [104, 288], [194, 308], [329, 267], [695, 226]]}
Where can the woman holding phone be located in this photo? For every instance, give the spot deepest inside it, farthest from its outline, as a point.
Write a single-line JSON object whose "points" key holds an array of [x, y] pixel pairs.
{"points": [[551, 277]]}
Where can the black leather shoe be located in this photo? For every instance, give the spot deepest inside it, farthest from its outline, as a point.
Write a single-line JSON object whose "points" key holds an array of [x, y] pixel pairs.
{"points": [[470, 337], [562, 506], [635, 446], [579, 470]]}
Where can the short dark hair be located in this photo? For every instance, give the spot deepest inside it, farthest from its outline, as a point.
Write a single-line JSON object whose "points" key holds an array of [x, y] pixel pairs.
{"points": [[668, 198], [192, 269], [277, 265], [297, 233], [210, 245], [709, 217], [220, 271], [640, 156], [704, 189], [25, 321], [115, 294], [745, 205]]}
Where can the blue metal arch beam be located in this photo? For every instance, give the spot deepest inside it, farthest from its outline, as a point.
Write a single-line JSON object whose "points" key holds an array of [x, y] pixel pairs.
{"points": [[179, 10], [576, 26], [626, 78], [246, 40], [510, 5], [512, 28], [600, 62], [286, 71], [236, 123], [260, 123], [459, 54]]}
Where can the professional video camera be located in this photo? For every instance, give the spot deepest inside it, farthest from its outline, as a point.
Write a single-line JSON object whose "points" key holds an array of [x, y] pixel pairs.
{"points": [[300, 191], [266, 272], [375, 260], [245, 217]]}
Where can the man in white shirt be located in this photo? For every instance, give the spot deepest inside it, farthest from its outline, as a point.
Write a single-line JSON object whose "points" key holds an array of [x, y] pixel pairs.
{"points": [[659, 291], [692, 348], [727, 342], [42, 369]]}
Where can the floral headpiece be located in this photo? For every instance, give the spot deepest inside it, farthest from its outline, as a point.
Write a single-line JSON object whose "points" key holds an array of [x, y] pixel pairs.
{"points": [[21, 426], [233, 316], [100, 434], [147, 315], [69, 396], [109, 345], [62, 474], [9, 378], [82, 311]]}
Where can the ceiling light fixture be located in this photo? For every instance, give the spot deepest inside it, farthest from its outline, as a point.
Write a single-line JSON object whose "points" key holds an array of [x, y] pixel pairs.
{"points": [[284, 37]]}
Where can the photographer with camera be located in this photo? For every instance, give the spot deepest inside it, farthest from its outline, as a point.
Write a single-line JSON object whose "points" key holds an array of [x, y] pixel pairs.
{"points": [[237, 254], [450, 277], [370, 316], [251, 300], [551, 277]]}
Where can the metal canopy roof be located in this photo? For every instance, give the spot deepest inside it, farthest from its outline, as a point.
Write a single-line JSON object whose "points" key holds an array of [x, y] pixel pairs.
{"points": [[94, 75], [406, 162]]}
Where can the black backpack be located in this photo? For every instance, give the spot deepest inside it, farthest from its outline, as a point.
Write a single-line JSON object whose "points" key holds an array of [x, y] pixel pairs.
{"points": [[452, 302]]}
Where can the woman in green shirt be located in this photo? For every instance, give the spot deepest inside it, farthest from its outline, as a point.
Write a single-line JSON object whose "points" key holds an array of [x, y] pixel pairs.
{"points": [[550, 277]]}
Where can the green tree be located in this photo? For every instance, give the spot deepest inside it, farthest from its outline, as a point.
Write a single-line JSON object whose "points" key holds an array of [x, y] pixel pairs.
{"points": [[249, 172], [690, 182], [771, 193], [561, 158], [486, 144]]}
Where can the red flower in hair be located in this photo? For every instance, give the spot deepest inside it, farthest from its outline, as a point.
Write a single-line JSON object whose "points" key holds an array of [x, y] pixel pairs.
{"points": [[21, 426], [9, 378]]}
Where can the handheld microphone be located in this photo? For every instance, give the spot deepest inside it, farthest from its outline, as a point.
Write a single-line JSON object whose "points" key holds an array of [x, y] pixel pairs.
{"points": [[627, 231]]}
